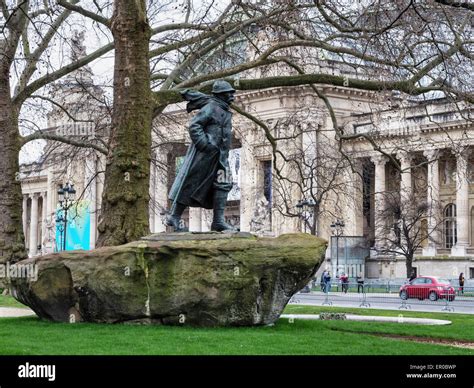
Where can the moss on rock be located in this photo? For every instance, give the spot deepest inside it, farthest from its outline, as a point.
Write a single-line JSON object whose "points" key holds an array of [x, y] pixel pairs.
{"points": [[205, 281]]}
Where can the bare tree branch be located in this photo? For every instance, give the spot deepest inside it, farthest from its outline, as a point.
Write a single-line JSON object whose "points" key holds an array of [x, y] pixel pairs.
{"points": [[84, 12], [39, 135], [461, 4], [24, 93]]}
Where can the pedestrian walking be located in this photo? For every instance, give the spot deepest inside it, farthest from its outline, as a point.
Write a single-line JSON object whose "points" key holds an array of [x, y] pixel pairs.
{"points": [[360, 282], [327, 281], [461, 283], [345, 282]]}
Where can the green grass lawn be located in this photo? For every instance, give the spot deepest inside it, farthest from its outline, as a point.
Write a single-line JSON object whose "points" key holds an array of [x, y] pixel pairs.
{"points": [[31, 336], [462, 327], [8, 301]]}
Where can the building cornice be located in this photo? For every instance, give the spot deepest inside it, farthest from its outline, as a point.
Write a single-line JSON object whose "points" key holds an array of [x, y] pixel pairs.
{"points": [[289, 91]]}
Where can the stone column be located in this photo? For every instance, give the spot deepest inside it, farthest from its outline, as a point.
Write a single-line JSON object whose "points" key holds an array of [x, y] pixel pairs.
{"points": [[379, 199], [160, 193], [406, 190], [405, 175], [462, 204], [248, 180], [90, 181], [34, 225], [152, 207], [101, 163], [195, 219], [206, 219], [433, 202], [355, 226], [51, 206], [44, 222], [24, 213]]}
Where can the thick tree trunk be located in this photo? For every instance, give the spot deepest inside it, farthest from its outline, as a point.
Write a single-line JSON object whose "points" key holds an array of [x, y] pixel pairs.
{"points": [[126, 192], [12, 244], [409, 265]]}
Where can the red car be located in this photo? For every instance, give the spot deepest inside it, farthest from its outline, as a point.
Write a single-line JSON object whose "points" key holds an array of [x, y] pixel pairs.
{"points": [[428, 287]]}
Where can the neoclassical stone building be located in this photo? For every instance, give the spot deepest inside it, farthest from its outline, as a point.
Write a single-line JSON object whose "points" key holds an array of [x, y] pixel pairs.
{"points": [[78, 116], [430, 140]]}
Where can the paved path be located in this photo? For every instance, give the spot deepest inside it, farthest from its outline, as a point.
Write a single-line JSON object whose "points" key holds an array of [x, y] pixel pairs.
{"points": [[372, 318], [10, 312]]}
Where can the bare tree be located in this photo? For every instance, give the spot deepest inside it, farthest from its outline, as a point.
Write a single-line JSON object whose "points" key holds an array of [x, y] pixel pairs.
{"points": [[29, 30], [406, 46], [403, 227], [308, 165], [209, 42], [412, 48]]}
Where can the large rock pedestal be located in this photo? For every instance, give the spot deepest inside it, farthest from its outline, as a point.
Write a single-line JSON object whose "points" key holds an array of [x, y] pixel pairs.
{"points": [[200, 279]]}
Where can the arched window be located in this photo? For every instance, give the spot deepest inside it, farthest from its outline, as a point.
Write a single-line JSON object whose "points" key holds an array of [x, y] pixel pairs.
{"points": [[450, 231]]}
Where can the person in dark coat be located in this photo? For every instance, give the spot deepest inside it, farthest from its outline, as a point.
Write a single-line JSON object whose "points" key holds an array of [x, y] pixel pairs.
{"points": [[204, 180], [327, 281], [461, 283], [360, 282], [344, 282]]}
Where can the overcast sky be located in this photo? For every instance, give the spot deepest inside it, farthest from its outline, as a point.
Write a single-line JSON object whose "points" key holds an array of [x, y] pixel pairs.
{"points": [[162, 12]]}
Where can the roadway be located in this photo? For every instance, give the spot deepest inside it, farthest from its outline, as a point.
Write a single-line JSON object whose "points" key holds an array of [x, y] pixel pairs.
{"points": [[385, 301]]}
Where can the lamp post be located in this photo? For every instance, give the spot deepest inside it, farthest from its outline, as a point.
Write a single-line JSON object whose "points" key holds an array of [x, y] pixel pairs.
{"points": [[299, 209], [67, 196], [305, 206], [337, 230]]}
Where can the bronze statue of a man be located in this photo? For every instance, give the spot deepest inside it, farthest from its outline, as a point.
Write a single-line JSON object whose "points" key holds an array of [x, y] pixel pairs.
{"points": [[204, 179]]}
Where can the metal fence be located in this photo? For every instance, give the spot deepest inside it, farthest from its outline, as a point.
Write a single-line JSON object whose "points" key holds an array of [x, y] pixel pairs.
{"points": [[348, 254], [390, 295]]}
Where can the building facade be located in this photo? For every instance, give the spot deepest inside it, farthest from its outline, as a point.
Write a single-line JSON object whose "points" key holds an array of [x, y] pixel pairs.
{"points": [[424, 149]]}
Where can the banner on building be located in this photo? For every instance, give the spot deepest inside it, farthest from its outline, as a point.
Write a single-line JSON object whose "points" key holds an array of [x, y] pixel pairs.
{"points": [[78, 227]]}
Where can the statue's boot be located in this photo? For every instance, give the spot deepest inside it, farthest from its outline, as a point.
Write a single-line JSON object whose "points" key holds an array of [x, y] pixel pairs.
{"points": [[174, 219], [218, 223]]}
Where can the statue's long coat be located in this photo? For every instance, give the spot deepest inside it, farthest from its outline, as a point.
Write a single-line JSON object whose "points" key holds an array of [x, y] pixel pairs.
{"points": [[211, 132]]}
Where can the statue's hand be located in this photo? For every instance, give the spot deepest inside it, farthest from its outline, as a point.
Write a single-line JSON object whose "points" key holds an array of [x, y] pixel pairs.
{"points": [[209, 145], [206, 144]]}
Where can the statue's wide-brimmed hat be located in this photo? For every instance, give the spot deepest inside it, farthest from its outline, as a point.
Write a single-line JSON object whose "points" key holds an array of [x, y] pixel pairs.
{"points": [[221, 86]]}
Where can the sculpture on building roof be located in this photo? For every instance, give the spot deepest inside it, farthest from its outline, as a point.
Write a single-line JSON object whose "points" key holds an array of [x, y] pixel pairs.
{"points": [[78, 49]]}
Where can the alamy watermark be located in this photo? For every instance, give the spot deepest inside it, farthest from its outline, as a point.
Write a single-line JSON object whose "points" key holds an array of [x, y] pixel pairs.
{"points": [[76, 129], [16, 271], [37, 371]]}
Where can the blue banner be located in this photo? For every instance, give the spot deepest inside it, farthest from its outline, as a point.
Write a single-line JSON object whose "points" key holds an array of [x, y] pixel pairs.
{"points": [[78, 227]]}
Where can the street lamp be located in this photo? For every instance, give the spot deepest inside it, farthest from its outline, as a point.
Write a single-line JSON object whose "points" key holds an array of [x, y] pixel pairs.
{"points": [[337, 228], [67, 196], [299, 209], [305, 206]]}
